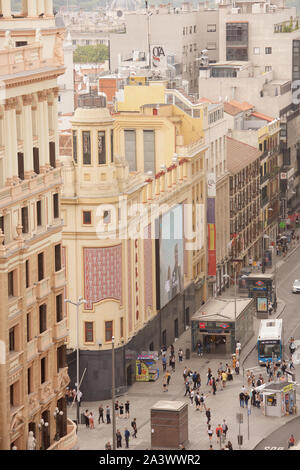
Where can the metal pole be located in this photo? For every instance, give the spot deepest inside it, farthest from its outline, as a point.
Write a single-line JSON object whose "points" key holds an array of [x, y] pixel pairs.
{"points": [[113, 392], [77, 365], [235, 307]]}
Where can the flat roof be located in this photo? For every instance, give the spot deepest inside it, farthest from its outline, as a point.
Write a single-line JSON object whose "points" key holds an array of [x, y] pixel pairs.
{"points": [[221, 309], [165, 405]]}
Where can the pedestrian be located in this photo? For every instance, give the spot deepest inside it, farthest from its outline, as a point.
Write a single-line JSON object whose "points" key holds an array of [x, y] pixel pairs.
{"points": [[87, 419], [202, 402], [242, 399], [100, 414], [108, 446], [194, 379], [192, 395], [246, 398], [209, 375], [187, 388], [180, 355], [119, 438], [134, 427], [283, 367], [126, 436], [214, 386], [197, 401], [229, 374], [224, 379], [173, 363], [229, 445], [91, 421], [238, 349], [208, 415], [199, 348], [117, 407], [211, 447], [198, 381], [168, 377], [224, 428], [253, 397], [107, 414], [291, 364], [219, 432], [127, 406], [185, 374], [291, 441], [164, 363], [209, 432], [121, 408]]}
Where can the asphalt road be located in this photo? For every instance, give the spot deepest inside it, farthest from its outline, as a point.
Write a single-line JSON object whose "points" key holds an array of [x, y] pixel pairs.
{"points": [[287, 272]]}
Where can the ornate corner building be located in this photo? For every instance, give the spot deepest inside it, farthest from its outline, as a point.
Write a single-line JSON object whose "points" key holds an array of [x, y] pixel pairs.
{"points": [[33, 326]]}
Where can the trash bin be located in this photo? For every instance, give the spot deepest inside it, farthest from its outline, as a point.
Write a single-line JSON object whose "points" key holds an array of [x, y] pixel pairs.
{"points": [[240, 440], [187, 353]]}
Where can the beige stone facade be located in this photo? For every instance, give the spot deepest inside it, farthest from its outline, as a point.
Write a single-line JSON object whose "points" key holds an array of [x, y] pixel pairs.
{"points": [[33, 326]]}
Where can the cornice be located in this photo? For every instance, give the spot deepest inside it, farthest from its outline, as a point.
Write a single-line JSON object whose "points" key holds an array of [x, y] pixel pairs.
{"points": [[18, 81]]}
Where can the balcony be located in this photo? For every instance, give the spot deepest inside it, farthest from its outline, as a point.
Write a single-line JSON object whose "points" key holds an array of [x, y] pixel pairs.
{"points": [[43, 288], [46, 392], [69, 441], [61, 379], [32, 349], [59, 279], [60, 330], [44, 341], [30, 296], [14, 361]]}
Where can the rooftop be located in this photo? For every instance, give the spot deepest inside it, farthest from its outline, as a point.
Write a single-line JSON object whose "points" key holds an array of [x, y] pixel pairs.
{"points": [[240, 155], [221, 309]]}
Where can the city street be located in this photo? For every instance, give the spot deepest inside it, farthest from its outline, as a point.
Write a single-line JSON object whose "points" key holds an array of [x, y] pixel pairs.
{"points": [[258, 431]]}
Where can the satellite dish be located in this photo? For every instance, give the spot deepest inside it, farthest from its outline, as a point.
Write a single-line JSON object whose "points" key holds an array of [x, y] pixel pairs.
{"points": [[119, 13]]}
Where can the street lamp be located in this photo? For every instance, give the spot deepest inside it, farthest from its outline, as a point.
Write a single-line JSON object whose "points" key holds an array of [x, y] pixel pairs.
{"points": [[57, 415], [77, 304], [113, 394], [43, 428]]}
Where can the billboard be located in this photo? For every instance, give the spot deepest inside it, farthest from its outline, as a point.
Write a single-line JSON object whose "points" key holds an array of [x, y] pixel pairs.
{"points": [[171, 260]]}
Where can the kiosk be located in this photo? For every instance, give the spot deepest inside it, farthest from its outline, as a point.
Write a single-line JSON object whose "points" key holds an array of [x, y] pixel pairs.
{"points": [[278, 398], [146, 370]]}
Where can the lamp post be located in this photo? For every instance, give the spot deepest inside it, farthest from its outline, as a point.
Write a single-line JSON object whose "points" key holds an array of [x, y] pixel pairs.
{"points": [[113, 394], [43, 428], [77, 304], [57, 416]]}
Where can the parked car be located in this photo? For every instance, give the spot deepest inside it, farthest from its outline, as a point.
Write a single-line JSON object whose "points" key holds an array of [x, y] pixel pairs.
{"points": [[296, 286]]}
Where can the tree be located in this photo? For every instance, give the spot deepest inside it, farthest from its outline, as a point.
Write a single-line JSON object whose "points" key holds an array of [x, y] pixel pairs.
{"points": [[91, 54]]}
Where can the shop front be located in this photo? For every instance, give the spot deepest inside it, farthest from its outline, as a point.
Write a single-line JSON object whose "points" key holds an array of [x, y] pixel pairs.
{"points": [[146, 368], [278, 398]]}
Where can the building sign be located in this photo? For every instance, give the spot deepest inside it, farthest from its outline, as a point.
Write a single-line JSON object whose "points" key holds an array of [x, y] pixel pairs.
{"points": [[201, 325], [288, 388], [222, 325], [158, 57]]}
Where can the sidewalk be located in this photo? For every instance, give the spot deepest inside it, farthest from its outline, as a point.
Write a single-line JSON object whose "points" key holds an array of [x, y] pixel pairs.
{"points": [[224, 405]]}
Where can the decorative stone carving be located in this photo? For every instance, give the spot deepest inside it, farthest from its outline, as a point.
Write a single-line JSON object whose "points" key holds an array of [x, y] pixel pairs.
{"points": [[38, 35], [8, 42], [10, 103], [33, 402], [27, 100], [42, 95], [17, 420], [46, 393], [31, 441]]}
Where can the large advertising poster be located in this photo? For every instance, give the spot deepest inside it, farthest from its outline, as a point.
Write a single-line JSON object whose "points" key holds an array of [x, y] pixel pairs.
{"points": [[171, 254]]}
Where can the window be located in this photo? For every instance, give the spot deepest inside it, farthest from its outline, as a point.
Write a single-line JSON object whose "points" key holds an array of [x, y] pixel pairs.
{"points": [[256, 50], [211, 46], [43, 370], [40, 266], [211, 28], [268, 50], [130, 148], [12, 395], [86, 217], [57, 257], [39, 213], [29, 380], [21, 43], [11, 286], [59, 308], [24, 217], [88, 332], [27, 274], [74, 133], [36, 160], [112, 145], [108, 330], [195, 28], [61, 357], [21, 165], [121, 327], [268, 68], [52, 154], [149, 151], [43, 317], [101, 148], [12, 339], [86, 147], [55, 206], [28, 326], [2, 226]]}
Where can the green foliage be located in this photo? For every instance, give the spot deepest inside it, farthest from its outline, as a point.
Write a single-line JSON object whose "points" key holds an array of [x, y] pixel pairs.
{"points": [[90, 54]]}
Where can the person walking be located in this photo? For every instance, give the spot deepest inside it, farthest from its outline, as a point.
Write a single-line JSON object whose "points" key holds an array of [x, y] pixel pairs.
{"points": [[127, 406], [117, 408], [197, 401], [164, 363], [100, 417], [126, 436], [224, 379], [209, 432], [108, 446], [121, 408], [202, 402], [246, 398], [194, 379], [214, 386], [173, 363], [209, 375], [219, 432], [107, 414], [291, 441], [291, 364], [134, 427], [208, 415], [229, 445], [225, 428], [187, 388], [237, 367], [168, 378], [242, 399], [192, 395], [91, 421], [87, 419], [180, 355], [119, 438], [198, 381]]}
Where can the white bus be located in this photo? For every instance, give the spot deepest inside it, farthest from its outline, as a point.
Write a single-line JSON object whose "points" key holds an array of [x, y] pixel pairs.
{"points": [[270, 341]]}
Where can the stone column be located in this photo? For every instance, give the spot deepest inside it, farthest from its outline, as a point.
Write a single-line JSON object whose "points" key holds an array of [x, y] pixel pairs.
{"points": [[6, 8], [40, 6], [43, 133], [48, 7], [27, 136], [31, 8], [55, 92], [11, 145]]}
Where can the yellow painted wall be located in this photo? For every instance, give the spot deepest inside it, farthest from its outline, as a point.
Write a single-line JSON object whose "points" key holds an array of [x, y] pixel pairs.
{"points": [[136, 96]]}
